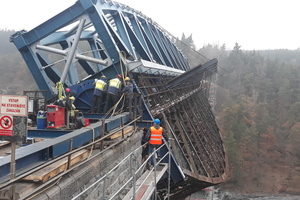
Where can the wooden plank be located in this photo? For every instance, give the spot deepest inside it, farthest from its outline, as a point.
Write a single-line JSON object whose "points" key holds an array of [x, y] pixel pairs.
{"points": [[127, 130], [56, 168], [4, 143]]}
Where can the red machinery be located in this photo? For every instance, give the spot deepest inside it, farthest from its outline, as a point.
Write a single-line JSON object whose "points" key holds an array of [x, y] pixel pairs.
{"points": [[55, 116]]}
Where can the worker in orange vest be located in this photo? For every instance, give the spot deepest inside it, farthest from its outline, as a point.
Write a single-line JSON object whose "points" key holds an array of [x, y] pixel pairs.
{"points": [[156, 133]]}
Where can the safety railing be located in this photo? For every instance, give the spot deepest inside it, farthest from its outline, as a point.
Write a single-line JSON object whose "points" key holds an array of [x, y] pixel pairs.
{"points": [[154, 170], [69, 168], [133, 178]]}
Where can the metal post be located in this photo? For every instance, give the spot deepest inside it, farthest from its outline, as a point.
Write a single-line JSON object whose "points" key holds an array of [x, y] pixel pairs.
{"points": [[122, 124], [155, 186], [169, 174], [134, 188], [102, 133], [13, 168], [68, 118], [134, 113], [140, 105], [69, 156], [103, 197], [133, 180]]}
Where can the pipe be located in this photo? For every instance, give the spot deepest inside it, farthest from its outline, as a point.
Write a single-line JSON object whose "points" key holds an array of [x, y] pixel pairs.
{"points": [[72, 51]]}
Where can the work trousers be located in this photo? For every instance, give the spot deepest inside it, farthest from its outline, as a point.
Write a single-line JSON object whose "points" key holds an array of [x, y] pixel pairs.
{"points": [[111, 100], [151, 149], [128, 101], [97, 104]]}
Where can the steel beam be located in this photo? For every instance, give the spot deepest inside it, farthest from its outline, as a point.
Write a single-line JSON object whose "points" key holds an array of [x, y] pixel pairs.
{"points": [[36, 153], [194, 75]]}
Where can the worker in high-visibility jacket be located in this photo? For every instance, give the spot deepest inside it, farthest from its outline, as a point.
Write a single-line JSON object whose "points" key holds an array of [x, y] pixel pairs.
{"points": [[157, 133], [99, 93], [113, 92]]}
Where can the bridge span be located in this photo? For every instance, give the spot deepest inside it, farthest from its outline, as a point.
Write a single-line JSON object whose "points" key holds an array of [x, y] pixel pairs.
{"points": [[93, 38]]}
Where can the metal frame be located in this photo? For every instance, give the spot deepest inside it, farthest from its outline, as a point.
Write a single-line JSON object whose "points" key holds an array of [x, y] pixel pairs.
{"points": [[36, 153], [121, 39], [109, 28]]}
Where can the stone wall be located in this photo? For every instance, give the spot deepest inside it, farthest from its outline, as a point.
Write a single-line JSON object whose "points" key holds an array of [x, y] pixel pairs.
{"points": [[75, 182]]}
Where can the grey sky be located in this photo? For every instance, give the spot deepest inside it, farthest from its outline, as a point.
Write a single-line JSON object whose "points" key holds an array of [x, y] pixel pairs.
{"points": [[254, 24]]}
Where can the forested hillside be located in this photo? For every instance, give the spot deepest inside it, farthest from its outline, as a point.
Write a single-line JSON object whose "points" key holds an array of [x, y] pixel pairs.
{"points": [[258, 111]]}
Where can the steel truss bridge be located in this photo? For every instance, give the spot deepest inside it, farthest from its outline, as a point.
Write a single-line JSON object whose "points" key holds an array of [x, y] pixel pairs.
{"points": [[102, 37]]}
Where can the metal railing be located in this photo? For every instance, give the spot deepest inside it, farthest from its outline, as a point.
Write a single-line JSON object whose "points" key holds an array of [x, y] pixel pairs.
{"points": [[133, 178], [68, 155]]}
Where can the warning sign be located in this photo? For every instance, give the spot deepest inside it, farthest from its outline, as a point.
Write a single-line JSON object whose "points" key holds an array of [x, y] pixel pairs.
{"points": [[13, 105], [6, 125]]}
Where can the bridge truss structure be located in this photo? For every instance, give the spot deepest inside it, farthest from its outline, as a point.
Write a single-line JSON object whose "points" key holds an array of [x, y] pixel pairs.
{"points": [[102, 37]]}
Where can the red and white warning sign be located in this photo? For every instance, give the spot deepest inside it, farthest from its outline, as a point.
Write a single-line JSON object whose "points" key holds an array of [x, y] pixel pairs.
{"points": [[6, 125], [13, 105]]}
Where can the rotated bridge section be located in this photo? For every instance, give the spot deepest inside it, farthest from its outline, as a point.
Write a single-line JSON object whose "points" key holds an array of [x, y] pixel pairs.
{"points": [[182, 104], [102, 37]]}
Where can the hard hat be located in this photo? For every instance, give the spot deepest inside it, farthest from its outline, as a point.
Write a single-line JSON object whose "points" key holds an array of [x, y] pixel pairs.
{"points": [[72, 98], [103, 78], [127, 79], [119, 76], [156, 121], [68, 90]]}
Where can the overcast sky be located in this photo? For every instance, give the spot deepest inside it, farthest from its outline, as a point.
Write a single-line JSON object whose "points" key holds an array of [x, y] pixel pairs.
{"points": [[254, 24]]}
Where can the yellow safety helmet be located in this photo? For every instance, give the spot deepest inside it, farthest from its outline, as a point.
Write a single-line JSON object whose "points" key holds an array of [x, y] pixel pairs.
{"points": [[103, 78], [127, 79], [72, 98]]}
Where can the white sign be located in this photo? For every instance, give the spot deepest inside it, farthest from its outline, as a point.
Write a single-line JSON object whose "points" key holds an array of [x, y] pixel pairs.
{"points": [[13, 105]]}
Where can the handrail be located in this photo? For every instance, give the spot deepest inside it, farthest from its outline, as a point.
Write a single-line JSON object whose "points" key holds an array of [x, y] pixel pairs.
{"points": [[103, 177], [133, 177], [153, 169], [80, 164], [68, 154]]}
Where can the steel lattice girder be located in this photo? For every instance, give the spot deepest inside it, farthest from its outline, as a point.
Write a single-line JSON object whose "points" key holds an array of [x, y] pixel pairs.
{"points": [[108, 28], [197, 144]]}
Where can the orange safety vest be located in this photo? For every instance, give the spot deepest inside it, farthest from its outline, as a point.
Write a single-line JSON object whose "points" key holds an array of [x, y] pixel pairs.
{"points": [[156, 136]]}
